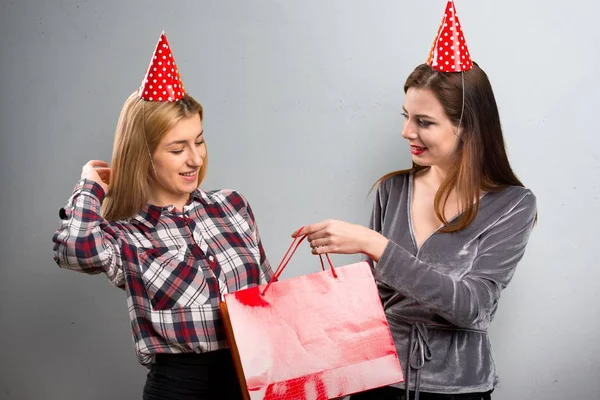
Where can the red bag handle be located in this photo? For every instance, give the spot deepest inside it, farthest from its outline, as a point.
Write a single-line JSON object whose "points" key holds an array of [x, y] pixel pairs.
{"points": [[285, 260]]}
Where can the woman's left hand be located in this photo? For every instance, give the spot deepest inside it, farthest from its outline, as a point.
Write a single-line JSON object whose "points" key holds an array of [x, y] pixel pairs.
{"points": [[332, 236]]}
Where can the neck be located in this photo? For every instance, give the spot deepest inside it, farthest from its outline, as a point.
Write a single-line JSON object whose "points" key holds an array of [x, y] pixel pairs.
{"points": [[436, 175]]}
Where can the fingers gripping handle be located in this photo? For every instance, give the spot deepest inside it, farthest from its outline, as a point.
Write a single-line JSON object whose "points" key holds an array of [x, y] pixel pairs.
{"points": [[288, 256]]}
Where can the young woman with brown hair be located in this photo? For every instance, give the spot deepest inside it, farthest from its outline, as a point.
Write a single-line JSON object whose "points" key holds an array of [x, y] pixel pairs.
{"points": [[445, 236]]}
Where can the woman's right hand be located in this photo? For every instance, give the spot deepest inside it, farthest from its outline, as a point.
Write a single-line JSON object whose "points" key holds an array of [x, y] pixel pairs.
{"points": [[97, 171]]}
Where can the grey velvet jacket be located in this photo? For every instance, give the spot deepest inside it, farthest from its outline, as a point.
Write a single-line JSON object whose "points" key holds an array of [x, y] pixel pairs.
{"points": [[441, 298]]}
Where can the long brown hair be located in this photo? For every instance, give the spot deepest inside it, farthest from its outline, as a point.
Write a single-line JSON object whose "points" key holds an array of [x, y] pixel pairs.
{"points": [[482, 164], [142, 124]]}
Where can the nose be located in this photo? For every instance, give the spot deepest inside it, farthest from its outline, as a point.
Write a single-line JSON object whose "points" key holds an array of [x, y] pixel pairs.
{"points": [[409, 131], [196, 156]]}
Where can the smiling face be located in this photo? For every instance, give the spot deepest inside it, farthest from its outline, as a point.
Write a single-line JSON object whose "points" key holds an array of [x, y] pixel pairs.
{"points": [[432, 137], [177, 161]]}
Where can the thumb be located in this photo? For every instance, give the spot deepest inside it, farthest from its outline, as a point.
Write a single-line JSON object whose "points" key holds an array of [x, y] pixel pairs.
{"points": [[297, 232]]}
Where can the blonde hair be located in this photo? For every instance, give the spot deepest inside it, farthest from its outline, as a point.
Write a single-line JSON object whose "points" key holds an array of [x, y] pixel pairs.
{"points": [[142, 124]]}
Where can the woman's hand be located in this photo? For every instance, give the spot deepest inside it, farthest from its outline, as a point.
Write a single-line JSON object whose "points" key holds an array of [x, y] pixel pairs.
{"points": [[332, 236], [97, 171]]}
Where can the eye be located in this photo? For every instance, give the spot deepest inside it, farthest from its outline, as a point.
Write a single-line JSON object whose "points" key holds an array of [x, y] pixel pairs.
{"points": [[423, 123], [176, 151], [405, 115], [200, 143]]}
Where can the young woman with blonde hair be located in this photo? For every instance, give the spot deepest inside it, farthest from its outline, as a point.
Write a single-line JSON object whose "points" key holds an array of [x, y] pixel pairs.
{"points": [[174, 248]]}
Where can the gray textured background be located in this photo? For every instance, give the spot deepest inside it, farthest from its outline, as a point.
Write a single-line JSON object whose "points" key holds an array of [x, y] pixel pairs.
{"points": [[303, 102]]}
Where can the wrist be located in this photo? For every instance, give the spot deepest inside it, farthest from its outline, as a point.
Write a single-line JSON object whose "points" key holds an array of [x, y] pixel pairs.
{"points": [[91, 187], [375, 245]]}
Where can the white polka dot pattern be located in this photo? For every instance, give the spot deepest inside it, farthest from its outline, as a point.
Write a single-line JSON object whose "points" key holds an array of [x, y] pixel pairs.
{"points": [[162, 81], [450, 52]]}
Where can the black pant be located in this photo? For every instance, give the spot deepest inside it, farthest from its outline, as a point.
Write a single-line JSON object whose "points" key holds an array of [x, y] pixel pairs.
{"points": [[391, 393], [204, 376]]}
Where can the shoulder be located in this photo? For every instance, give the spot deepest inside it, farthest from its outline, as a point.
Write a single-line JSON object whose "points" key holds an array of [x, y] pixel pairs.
{"points": [[225, 198], [515, 196], [393, 183], [514, 202]]}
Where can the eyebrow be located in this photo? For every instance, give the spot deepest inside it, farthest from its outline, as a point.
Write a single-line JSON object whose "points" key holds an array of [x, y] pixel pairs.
{"points": [[419, 115], [183, 141]]}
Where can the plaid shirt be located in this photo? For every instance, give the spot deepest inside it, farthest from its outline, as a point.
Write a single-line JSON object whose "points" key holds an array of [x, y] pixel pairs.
{"points": [[174, 266]]}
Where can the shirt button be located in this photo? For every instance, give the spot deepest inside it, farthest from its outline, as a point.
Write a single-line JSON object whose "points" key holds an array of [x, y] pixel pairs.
{"points": [[211, 258]]}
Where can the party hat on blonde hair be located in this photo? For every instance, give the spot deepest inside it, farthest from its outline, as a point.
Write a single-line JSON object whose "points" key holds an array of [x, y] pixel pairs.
{"points": [[162, 81]]}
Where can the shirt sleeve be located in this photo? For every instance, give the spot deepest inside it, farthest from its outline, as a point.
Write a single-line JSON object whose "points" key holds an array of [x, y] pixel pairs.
{"points": [[265, 267], [377, 213], [471, 298], [84, 241]]}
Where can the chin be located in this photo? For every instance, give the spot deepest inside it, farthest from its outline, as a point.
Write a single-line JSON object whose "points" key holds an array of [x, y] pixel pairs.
{"points": [[186, 189], [421, 162], [189, 190]]}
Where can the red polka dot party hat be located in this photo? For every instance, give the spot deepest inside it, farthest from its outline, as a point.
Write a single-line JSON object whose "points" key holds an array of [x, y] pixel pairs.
{"points": [[450, 52], [162, 81]]}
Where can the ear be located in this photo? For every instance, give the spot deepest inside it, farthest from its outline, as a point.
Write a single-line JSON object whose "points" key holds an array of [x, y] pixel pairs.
{"points": [[458, 132]]}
